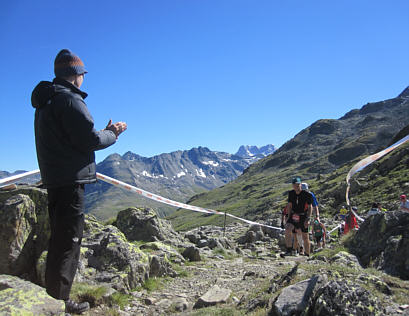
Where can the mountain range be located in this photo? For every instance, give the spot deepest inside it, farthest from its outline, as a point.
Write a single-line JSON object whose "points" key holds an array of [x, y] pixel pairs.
{"points": [[177, 175], [320, 154], [27, 180]]}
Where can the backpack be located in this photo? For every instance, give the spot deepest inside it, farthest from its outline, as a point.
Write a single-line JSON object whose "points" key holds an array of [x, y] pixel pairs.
{"points": [[317, 229]]}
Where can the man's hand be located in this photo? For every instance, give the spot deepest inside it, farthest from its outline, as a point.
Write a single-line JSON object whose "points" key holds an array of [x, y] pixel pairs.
{"points": [[117, 128]]}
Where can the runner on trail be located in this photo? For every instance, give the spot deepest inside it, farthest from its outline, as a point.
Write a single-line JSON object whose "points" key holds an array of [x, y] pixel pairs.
{"points": [[319, 232], [304, 186], [350, 221], [299, 206]]}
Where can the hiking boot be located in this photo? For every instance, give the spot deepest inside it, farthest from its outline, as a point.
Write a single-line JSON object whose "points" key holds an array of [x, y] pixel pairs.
{"points": [[76, 308]]}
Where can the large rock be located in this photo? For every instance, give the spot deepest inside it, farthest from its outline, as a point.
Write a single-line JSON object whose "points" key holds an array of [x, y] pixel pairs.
{"points": [[144, 224], [19, 297], [215, 295], [159, 266], [24, 230], [107, 257], [344, 298], [382, 241], [192, 253], [294, 299], [346, 259]]}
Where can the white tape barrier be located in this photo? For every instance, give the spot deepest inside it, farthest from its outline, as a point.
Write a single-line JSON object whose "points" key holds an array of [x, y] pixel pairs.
{"points": [[370, 159], [146, 194], [335, 228], [7, 181], [163, 200]]}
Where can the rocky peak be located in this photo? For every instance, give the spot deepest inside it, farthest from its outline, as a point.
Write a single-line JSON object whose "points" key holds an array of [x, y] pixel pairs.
{"points": [[249, 151]]}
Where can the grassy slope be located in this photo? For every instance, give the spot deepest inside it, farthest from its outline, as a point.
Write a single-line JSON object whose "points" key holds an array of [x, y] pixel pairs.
{"points": [[259, 195]]}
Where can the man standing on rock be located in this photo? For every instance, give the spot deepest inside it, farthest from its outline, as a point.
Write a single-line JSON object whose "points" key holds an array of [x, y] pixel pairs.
{"points": [[66, 141], [300, 210]]}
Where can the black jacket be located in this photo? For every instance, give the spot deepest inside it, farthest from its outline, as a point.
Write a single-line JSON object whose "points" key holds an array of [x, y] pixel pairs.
{"points": [[65, 135]]}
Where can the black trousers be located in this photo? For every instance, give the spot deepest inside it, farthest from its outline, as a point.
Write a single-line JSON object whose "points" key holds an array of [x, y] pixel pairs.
{"points": [[66, 212]]}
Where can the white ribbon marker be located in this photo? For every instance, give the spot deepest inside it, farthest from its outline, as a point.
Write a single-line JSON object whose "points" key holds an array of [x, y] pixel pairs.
{"points": [[7, 181], [148, 195]]}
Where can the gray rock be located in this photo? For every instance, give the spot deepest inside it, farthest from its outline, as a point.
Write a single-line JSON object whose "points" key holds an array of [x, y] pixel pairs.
{"points": [[202, 243], [383, 242], [347, 259], [214, 243], [193, 238], [17, 218], [20, 297], [107, 257], [180, 304], [144, 224], [24, 230], [159, 267], [294, 299], [344, 298], [215, 295], [192, 254]]}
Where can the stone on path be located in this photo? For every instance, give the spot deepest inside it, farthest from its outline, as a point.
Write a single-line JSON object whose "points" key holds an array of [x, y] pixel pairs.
{"points": [[213, 296]]}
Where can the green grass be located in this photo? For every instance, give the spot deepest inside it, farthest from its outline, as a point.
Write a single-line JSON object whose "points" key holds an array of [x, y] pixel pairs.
{"points": [[182, 273], [260, 193], [152, 284], [120, 299], [225, 254], [94, 295], [84, 292]]}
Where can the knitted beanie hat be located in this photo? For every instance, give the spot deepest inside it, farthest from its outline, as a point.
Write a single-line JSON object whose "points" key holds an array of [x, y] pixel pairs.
{"points": [[67, 64]]}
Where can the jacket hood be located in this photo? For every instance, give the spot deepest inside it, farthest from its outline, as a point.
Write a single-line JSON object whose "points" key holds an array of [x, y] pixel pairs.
{"points": [[45, 90]]}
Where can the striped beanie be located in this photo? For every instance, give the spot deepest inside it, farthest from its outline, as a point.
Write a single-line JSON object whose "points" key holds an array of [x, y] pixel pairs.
{"points": [[67, 64]]}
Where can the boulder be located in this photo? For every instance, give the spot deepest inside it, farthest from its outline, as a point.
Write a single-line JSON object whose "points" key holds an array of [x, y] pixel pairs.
{"points": [[382, 242], [144, 224], [215, 295], [294, 299], [344, 298], [192, 237], [159, 266], [346, 259], [192, 253], [214, 243], [107, 257], [202, 243], [20, 297], [24, 230], [248, 238]]}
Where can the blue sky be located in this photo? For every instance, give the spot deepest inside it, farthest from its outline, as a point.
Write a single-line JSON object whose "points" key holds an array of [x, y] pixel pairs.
{"points": [[214, 73]]}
